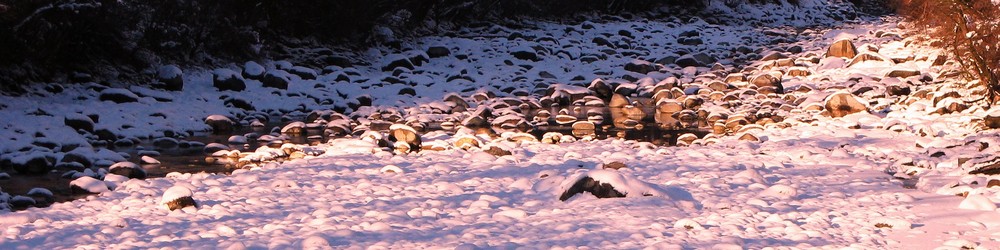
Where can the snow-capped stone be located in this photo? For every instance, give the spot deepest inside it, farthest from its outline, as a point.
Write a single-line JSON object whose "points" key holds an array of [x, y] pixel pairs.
{"points": [[178, 197], [145, 159], [79, 122], [977, 202], [88, 185], [129, 169], [43, 197], [606, 184], [220, 123], [226, 79], [278, 79], [843, 103], [118, 95], [252, 70], [170, 77]]}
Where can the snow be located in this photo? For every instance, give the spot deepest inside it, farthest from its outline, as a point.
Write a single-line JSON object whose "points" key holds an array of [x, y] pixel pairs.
{"points": [[174, 193], [90, 184], [819, 183]]}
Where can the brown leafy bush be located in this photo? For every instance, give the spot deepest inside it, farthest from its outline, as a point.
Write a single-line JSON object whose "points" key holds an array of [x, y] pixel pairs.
{"points": [[969, 29]]}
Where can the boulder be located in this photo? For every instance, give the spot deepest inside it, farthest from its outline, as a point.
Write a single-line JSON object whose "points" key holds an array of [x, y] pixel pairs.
{"points": [[842, 48], [253, 70], [843, 103], [438, 51], [178, 197], [128, 169], [88, 185], [278, 79], [33, 164], [606, 183], [402, 133], [79, 122], [768, 82], [225, 79], [42, 197], [170, 77], [992, 120], [902, 73], [118, 95], [640, 66], [220, 123]]}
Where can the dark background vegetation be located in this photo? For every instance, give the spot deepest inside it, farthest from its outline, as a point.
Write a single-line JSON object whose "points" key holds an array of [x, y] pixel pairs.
{"points": [[80, 40]]}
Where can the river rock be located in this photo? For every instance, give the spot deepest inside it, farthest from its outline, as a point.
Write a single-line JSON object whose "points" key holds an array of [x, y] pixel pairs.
{"points": [[220, 123], [843, 103], [170, 77], [79, 122], [842, 48], [992, 120], [178, 197], [128, 169], [118, 95], [88, 185], [226, 79]]}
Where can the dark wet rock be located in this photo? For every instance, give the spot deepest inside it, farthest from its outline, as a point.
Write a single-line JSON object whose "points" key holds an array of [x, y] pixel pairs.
{"points": [[21, 202], [640, 66], [170, 77], [438, 51], [118, 95], [128, 169], [589, 185], [225, 79], [42, 197], [220, 123], [34, 164], [240, 103]]}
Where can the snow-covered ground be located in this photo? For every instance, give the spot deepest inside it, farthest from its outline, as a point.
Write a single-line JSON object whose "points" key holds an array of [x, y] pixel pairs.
{"points": [[804, 180]]}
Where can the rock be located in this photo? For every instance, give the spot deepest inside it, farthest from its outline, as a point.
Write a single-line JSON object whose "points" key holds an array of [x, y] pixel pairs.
{"points": [[128, 169], [21, 202], [170, 78], [220, 123], [902, 73], [118, 95], [178, 197], [843, 103], [688, 61], [993, 183], [33, 164], [615, 165], [589, 185], [606, 183], [842, 48], [240, 103], [774, 55], [165, 142], [88, 185], [278, 79], [405, 134], [43, 197], [253, 70], [768, 82], [225, 79], [438, 51], [79, 122], [640, 66], [525, 55], [618, 101], [497, 151], [992, 120]]}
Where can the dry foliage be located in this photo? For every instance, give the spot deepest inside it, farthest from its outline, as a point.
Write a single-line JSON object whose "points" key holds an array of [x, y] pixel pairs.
{"points": [[969, 29]]}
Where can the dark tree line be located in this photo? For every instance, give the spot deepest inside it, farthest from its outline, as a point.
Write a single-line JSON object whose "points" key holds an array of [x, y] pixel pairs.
{"points": [[45, 40]]}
